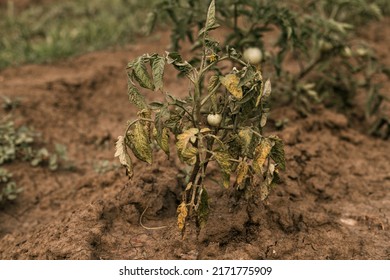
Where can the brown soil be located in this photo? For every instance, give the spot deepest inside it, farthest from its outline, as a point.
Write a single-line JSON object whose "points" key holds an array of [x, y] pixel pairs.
{"points": [[334, 202]]}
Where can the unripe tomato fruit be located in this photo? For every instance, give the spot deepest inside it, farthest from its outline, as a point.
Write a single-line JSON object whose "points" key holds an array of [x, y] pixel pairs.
{"points": [[214, 119], [253, 55]]}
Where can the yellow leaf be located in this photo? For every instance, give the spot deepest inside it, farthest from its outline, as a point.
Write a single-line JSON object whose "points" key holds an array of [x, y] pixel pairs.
{"points": [[124, 159], [189, 155], [242, 171], [261, 153], [187, 152], [226, 180], [182, 215], [140, 142], [231, 82], [223, 159]]}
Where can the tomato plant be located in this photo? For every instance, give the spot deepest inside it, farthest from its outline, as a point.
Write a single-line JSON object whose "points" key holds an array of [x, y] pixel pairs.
{"points": [[221, 120]]}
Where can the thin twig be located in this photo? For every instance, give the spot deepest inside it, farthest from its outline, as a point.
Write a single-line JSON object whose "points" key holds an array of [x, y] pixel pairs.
{"points": [[145, 227]]}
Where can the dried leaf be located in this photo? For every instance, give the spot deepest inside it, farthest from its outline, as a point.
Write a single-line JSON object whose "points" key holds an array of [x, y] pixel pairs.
{"points": [[263, 120], [267, 89], [186, 151], [140, 142], [261, 153], [182, 215], [242, 171], [231, 82], [158, 66], [265, 92], [124, 159], [245, 135], [141, 74], [267, 184], [213, 84], [264, 191], [135, 96]]}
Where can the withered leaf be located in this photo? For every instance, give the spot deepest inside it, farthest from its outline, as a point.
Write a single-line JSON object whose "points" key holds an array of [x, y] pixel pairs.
{"points": [[182, 215], [140, 142], [242, 172], [267, 89], [124, 159], [261, 153], [245, 135], [231, 81], [186, 151], [223, 159]]}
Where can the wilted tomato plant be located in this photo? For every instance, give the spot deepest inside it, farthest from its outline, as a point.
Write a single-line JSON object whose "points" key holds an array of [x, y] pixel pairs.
{"points": [[220, 120]]}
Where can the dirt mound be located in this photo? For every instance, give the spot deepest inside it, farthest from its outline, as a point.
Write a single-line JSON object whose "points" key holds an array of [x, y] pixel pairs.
{"points": [[334, 202]]}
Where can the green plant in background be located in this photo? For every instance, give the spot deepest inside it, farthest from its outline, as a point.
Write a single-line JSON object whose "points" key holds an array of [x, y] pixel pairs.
{"points": [[104, 166], [315, 55], [221, 120], [43, 33], [17, 143], [8, 188]]}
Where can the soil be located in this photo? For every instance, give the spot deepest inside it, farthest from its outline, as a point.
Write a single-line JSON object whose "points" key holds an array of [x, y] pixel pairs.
{"points": [[334, 202]]}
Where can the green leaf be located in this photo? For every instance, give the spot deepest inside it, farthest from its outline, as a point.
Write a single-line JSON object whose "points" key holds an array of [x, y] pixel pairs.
{"points": [[139, 142], [158, 66], [181, 65], [141, 74], [248, 76], [277, 152], [210, 20], [203, 209], [150, 22], [135, 96], [162, 139]]}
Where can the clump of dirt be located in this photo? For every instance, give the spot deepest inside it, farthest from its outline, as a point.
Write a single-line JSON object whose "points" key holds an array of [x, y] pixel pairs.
{"points": [[334, 202]]}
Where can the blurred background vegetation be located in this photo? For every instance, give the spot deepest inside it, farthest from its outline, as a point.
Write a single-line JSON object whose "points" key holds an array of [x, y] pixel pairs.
{"points": [[36, 31], [48, 31]]}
